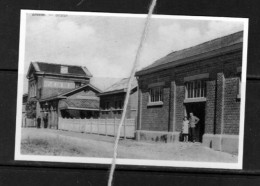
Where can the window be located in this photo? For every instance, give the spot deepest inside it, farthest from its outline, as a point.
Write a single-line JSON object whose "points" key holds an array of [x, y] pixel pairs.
{"points": [[115, 104], [120, 104], [77, 84], [156, 94], [196, 89], [107, 106]]}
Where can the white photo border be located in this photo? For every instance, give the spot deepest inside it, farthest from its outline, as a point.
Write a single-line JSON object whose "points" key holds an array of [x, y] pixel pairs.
{"points": [[91, 160]]}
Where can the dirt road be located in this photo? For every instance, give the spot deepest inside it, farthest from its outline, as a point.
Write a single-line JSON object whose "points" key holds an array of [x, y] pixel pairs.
{"points": [[64, 143]]}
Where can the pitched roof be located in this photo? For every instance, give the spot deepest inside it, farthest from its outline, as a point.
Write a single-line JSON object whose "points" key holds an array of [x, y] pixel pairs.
{"points": [[178, 57], [70, 92], [80, 88], [119, 86], [103, 83], [84, 104], [54, 68]]}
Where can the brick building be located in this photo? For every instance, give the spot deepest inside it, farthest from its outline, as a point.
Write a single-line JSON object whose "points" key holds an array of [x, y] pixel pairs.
{"points": [[205, 80], [112, 100], [61, 90]]}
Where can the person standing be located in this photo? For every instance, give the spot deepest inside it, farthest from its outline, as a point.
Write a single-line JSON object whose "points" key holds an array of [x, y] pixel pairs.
{"points": [[193, 122], [39, 122], [45, 120], [185, 129]]}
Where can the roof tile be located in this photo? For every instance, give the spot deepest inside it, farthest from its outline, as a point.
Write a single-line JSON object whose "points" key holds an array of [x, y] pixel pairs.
{"points": [[205, 47], [56, 69]]}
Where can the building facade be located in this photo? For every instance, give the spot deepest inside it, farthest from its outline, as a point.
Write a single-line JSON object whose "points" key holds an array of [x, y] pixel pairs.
{"points": [[49, 83], [112, 100], [205, 80]]}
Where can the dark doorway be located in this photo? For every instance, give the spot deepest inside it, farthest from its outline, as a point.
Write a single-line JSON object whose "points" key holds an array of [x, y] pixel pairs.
{"points": [[198, 109]]}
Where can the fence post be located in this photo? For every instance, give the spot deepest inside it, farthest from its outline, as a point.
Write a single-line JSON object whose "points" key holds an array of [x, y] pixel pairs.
{"points": [[98, 123], [85, 125], [90, 125], [106, 126], [74, 124]]}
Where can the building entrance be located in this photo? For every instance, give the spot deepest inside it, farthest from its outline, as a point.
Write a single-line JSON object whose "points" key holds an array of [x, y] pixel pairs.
{"points": [[198, 110]]}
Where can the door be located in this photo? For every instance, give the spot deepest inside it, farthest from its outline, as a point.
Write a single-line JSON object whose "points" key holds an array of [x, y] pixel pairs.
{"points": [[198, 110]]}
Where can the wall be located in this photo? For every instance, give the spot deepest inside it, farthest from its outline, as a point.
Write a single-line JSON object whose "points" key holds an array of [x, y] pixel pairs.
{"points": [[54, 86], [99, 126], [112, 112], [161, 118], [155, 118]]}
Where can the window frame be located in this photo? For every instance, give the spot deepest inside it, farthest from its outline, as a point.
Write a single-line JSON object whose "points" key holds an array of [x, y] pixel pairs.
{"points": [[198, 84], [196, 89], [78, 84], [107, 105], [155, 96]]}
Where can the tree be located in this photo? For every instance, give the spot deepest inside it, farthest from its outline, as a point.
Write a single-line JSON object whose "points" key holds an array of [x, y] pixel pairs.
{"points": [[31, 109]]}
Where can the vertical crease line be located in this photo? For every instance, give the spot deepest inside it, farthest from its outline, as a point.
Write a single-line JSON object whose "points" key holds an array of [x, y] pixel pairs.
{"points": [[137, 58]]}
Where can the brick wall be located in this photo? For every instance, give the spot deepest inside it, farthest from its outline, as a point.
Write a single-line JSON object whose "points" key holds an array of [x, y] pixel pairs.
{"points": [[180, 96], [155, 117], [172, 107], [231, 107], [220, 86], [160, 118], [210, 119]]}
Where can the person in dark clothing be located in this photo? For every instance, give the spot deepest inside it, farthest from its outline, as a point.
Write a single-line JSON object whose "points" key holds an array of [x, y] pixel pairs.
{"points": [[193, 122], [39, 122], [45, 120]]}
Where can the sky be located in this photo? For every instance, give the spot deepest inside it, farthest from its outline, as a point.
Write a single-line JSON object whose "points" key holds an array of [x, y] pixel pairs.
{"points": [[107, 45]]}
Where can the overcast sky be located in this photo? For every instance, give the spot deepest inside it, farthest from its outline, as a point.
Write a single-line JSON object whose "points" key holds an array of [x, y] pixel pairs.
{"points": [[107, 45]]}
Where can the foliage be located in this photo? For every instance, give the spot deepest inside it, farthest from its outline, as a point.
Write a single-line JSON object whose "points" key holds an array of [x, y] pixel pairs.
{"points": [[31, 109]]}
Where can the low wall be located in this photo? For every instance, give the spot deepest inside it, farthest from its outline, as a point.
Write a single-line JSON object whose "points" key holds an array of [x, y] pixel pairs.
{"points": [[162, 136], [225, 143], [99, 126]]}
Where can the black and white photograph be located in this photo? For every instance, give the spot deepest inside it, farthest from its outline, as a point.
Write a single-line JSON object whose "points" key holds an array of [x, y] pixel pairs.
{"points": [[186, 101]]}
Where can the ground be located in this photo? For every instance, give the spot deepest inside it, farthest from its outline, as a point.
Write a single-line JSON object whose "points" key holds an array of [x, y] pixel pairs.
{"points": [[64, 143]]}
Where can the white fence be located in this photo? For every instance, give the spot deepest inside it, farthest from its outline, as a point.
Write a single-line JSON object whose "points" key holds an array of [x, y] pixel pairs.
{"points": [[99, 126], [26, 122]]}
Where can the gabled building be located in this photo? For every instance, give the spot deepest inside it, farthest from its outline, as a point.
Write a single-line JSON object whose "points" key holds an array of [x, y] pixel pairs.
{"points": [[48, 79], [204, 79], [49, 83], [112, 100]]}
